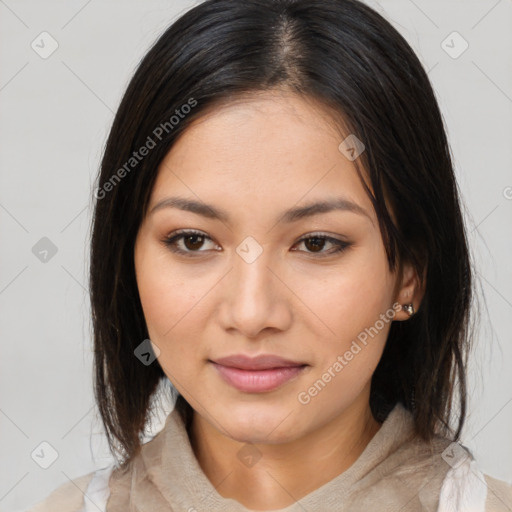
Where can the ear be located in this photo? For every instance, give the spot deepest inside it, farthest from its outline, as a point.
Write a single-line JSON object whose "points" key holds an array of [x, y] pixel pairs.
{"points": [[410, 289]]}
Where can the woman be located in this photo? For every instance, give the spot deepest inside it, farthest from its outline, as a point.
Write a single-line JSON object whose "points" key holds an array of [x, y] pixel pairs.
{"points": [[278, 237]]}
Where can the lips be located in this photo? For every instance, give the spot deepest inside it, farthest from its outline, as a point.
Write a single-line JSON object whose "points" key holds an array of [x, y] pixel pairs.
{"points": [[262, 362], [257, 374]]}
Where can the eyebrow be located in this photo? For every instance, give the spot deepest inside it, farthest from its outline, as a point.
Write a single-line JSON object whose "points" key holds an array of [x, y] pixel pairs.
{"points": [[292, 215]]}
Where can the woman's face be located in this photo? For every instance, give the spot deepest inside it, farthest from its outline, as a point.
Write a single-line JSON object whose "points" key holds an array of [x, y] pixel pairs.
{"points": [[257, 280]]}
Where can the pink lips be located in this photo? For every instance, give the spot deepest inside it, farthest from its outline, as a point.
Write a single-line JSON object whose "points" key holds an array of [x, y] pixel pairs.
{"points": [[257, 374]]}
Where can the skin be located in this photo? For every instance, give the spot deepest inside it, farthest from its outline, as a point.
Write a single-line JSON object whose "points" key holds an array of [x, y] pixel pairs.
{"points": [[256, 158]]}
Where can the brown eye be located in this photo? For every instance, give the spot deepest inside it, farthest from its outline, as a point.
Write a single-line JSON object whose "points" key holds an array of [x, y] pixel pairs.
{"points": [[316, 243], [193, 242], [188, 243]]}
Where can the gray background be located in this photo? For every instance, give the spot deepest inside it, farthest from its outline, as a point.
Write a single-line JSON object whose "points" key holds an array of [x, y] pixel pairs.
{"points": [[55, 116]]}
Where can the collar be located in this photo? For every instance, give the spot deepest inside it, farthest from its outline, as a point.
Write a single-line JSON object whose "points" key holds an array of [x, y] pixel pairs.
{"points": [[168, 476]]}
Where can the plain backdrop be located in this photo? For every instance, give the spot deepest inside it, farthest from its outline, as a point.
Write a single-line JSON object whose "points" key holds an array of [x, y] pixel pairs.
{"points": [[55, 116]]}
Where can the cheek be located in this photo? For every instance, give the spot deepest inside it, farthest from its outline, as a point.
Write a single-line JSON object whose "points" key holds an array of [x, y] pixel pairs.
{"points": [[162, 290], [169, 301], [352, 308], [172, 323], [354, 295]]}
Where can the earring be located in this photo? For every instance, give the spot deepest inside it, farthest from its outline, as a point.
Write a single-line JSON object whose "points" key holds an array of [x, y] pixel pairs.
{"points": [[408, 308]]}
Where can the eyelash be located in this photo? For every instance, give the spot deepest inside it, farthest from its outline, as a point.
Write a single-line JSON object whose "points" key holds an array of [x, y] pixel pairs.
{"points": [[171, 242]]}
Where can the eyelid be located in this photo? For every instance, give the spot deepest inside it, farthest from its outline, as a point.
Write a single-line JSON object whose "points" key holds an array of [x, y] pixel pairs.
{"points": [[341, 245], [321, 234], [179, 234]]}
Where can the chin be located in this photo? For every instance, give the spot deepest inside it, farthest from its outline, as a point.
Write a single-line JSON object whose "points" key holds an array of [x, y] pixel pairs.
{"points": [[260, 423]]}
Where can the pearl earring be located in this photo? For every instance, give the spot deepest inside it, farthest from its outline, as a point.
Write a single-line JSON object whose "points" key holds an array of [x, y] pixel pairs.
{"points": [[408, 308]]}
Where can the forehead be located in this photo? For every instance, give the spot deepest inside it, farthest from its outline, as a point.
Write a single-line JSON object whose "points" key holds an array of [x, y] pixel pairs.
{"points": [[266, 151], [243, 116]]}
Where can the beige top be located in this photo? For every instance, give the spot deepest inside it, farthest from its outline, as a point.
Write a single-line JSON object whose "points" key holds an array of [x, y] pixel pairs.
{"points": [[395, 472]]}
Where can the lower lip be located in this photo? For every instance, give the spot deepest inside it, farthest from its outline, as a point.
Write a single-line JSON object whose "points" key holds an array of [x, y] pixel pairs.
{"points": [[257, 381]]}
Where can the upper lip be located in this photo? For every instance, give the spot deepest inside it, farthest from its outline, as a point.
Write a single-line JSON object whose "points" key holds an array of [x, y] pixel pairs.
{"points": [[261, 362]]}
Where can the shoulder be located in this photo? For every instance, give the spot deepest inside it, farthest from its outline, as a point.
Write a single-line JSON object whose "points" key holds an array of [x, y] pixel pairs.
{"points": [[443, 476], [499, 495], [465, 487], [70, 496]]}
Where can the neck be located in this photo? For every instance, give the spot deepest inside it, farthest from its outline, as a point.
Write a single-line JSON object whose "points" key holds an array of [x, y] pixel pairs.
{"points": [[285, 472]]}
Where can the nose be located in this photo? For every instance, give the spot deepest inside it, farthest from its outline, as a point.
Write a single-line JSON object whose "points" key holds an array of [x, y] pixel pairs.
{"points": [[255, 299]]}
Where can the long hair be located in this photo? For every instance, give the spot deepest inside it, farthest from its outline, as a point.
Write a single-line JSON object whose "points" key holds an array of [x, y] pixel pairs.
{"points": [[349, 58]]}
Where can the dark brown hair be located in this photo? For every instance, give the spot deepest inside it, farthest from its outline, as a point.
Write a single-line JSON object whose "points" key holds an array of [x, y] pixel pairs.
{"points": [[347, 57]]}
